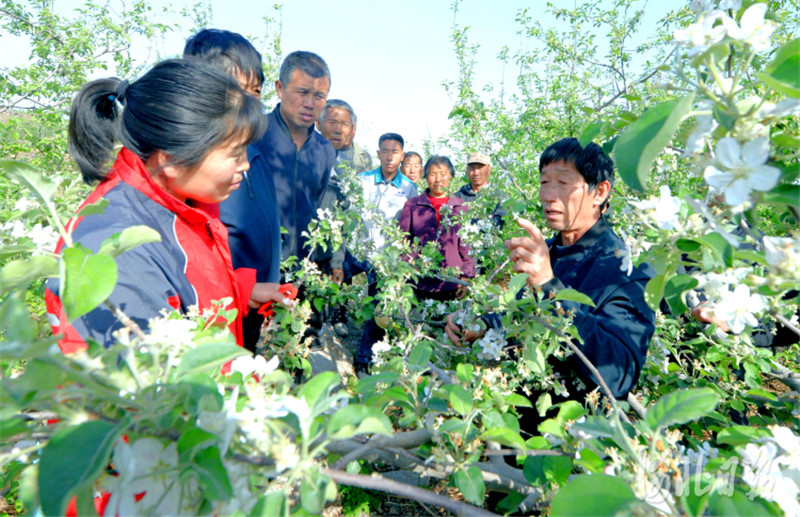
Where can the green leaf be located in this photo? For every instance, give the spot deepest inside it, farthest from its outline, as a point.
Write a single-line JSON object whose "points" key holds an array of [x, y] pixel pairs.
{"points": [[312, 495], [592, 495], [19, 274], [30, 177], [591, 131], [127, 239], [89, 280], [782, 72], [93, 209], [574, 296], [15, 249], [687, 244], [193, 440], [739, 504], [570, 411], [543, 403], [539, 470], [783, 195], [11, 427], [644, 139], [778, 85], [73, 460], [366, 386], [357, 419], [679, 407], [318, 386], [673, 292], [742, 435], [590, 461], [722, 249], [208, 357], [269, 505], [471, 485], [420, 355], [464, 372], [461, 400], [654, 291], [505, 436], [212, 475]]}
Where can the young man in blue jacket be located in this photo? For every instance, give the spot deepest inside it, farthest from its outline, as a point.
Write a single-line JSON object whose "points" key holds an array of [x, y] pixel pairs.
{"points": [[585, 255]]}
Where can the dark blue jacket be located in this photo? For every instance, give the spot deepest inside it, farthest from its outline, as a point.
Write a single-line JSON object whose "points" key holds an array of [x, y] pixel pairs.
{"points": [[299, 177], [616, 332], [254, 227]]}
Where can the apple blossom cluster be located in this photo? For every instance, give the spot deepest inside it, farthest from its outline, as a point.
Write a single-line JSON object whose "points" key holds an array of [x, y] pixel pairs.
{"points": [[148, 480], [663, 211], [783, 256], [772, 469], [479, 235], [44, 237], [490, 346], [737, 307], [712, 25], [740, 169]]}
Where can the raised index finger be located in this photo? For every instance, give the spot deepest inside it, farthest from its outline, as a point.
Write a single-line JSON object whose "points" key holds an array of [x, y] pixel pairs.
{"points": [[532, 230]]}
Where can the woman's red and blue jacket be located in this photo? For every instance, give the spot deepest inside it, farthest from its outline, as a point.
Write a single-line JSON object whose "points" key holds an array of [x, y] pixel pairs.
{"points": [[191, 265]]}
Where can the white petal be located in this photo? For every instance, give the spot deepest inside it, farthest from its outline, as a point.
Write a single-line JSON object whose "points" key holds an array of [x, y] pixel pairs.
{"points": [[717, 178], [763, 177], [737, 192], [753, 18], [756, 152], [728, 152]]}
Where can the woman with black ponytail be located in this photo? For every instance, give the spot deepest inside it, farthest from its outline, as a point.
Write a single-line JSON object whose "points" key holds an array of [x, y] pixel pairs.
{"points": [[154, 146]]}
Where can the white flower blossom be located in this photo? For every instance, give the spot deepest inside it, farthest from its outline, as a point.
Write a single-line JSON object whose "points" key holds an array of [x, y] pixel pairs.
{"points": [[258, 365], [752, 29], [737, 308], [663, 209], [491, 345], [24, 204], [734, 5], [784, 108], [740, 170], [171, 331], [703, 34], [783, 254], [148, 481], [761, 471], [706, 124]]}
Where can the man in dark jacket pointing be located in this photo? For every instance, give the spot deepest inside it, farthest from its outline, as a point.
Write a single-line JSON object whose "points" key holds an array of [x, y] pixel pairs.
{"points": [[585, 255]]}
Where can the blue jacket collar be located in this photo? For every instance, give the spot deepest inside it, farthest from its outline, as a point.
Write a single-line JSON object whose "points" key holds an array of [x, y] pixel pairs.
{"points": [[397, 181]]}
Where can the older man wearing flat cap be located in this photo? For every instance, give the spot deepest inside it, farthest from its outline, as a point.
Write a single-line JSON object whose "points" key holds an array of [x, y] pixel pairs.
{"points": [[479, 168]]}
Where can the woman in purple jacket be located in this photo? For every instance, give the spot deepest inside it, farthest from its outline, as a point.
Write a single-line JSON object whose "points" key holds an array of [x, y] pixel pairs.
{"points": [[433, 216]]}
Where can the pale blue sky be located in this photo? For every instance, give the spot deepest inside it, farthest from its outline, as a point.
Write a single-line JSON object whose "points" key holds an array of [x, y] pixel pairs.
{"points": [[388, 58]]}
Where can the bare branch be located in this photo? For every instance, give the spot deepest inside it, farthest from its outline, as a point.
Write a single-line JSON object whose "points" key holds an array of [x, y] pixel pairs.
{"points": [[375, 482]]}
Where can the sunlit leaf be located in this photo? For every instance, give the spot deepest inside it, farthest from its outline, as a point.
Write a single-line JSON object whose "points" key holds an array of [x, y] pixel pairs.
{"points": [[596, 495], [681, 406], [89, 280], [73, 459], [127, 239], [643, 140]]}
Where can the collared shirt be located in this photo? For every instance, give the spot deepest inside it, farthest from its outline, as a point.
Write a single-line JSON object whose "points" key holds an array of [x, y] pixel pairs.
{"points": [[385, 200]]}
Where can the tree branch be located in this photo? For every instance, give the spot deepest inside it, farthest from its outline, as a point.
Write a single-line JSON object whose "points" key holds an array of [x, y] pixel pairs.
{"points": [[375, 482]]}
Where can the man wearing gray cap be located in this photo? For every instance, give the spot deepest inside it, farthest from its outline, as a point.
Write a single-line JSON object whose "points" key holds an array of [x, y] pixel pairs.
{"points": [[479, 168]]}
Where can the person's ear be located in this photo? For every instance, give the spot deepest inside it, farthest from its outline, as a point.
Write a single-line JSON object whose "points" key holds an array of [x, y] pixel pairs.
{"points": [[279, 89], [601, 192]]}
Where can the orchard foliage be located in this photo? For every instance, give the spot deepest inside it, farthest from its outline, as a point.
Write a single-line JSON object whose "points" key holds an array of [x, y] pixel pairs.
{"points": [[702, 121]]}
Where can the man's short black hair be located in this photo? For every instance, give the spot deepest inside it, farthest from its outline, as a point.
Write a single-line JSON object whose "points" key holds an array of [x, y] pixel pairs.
{"points": [[413, 153], [308, 62], [391, 136], [590, 161], [227, 50]]}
